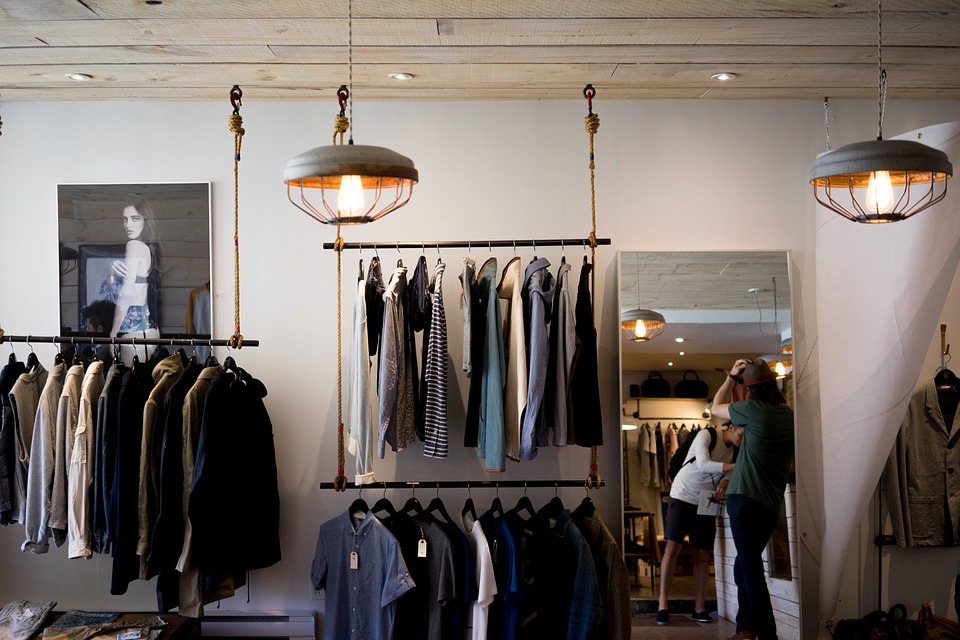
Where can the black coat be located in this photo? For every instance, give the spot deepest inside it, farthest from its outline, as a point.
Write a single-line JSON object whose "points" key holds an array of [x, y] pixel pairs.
{"points": [[234, 500]]}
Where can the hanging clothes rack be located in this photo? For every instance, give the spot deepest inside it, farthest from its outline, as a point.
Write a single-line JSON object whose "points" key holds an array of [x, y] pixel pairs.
{"points": [[463, 484], [470, 244], [181, 342]]}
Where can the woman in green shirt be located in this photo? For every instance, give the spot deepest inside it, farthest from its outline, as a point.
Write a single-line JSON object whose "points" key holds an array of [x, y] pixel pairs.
{"points": [[756, 489]]}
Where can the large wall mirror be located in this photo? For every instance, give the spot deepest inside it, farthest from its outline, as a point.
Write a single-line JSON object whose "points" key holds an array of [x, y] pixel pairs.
{"points": [[717, 307]]}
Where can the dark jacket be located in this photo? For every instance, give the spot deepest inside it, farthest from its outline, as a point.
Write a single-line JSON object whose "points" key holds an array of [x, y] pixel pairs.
{"points": [[583, 406], [167, 540], [8, 376], [124, 514], [234, 500]]}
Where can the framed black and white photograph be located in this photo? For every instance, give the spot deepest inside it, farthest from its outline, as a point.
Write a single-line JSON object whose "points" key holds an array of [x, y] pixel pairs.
{"points": [[135, 259]]}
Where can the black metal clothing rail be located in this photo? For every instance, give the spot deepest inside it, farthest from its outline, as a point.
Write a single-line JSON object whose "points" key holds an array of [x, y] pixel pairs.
{"points": [[184, 342], [470, 244], [465, 484]]}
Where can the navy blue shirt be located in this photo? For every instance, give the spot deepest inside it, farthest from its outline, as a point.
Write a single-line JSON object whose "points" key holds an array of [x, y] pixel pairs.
{"points": [[360, 603]]}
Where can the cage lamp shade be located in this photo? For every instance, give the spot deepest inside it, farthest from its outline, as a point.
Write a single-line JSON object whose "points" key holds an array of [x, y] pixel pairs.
{"points": [[641, 325], [879, 181], [349, 184]]}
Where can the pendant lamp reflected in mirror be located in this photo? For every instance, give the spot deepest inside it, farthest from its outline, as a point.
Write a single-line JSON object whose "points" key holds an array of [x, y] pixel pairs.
{"points": [[639, 324], [347, 184], [880, 180]]}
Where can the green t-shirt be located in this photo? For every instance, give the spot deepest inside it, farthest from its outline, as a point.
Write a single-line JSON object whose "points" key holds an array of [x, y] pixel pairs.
{"points": [[766, 453]]}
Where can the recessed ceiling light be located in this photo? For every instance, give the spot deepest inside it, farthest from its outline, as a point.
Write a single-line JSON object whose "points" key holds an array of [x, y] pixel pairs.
{"points": [[682, 353], [400, 76], [80, 77], [669, 364], [678, 339], [723, 76]]}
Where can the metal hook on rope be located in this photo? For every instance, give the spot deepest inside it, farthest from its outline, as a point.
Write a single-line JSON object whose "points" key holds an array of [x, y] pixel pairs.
{"points": [[343, 94], [589, 93], [235, 99]]}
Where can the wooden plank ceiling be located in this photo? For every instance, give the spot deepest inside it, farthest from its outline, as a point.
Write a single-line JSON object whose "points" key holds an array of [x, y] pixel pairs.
{"points": [[476, 49]]}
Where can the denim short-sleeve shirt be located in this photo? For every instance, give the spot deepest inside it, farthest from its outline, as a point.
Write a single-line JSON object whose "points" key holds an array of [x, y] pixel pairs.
{"points": [[361, 601]]}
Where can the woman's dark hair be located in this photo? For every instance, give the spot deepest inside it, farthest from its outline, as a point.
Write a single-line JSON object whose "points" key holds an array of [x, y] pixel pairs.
{"points": [[766, 392]]}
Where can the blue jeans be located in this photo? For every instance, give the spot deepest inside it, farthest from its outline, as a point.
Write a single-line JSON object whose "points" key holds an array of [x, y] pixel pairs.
{"points": [[752, 524]]}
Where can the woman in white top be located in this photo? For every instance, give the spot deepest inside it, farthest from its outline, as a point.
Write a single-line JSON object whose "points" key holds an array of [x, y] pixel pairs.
{"points": [[702, 470]]}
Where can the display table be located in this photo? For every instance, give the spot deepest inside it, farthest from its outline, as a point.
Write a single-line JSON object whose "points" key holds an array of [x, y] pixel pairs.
{"points": [[178, 627]]}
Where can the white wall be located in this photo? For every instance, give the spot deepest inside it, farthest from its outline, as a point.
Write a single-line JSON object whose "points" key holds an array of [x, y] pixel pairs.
{"points": [[670, 176]]}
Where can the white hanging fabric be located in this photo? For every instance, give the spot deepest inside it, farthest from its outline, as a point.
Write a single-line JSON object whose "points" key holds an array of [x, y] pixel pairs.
{"points": [[880, 291]]}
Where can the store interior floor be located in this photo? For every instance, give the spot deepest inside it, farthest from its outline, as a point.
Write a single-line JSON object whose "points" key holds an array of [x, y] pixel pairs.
{"points": [[681, 604]]}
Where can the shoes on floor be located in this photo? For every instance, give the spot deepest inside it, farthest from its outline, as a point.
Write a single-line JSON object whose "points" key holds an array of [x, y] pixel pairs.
{"points": [[663, 616], [742, 635], [702, 617]]}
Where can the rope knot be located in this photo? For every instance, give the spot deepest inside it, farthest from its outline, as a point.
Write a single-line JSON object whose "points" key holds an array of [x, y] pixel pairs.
{"points": [[1, 336], [593, 239], [594, 480], [236, 341], [338, 244], [340, 483], [592, 123], [340, 125], [236, 123]]}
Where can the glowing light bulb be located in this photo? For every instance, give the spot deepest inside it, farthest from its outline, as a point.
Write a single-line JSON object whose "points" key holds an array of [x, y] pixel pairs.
{"points": [[350, 201], [880, 192], [640, 329], [780, 369]]}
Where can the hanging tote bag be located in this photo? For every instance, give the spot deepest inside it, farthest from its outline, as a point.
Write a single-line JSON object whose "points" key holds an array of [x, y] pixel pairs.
{"points": [[655, 386], [691, 387]]}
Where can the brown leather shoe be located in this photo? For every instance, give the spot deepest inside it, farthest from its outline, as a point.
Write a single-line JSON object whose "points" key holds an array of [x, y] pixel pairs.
{"points": [[742, 635]]}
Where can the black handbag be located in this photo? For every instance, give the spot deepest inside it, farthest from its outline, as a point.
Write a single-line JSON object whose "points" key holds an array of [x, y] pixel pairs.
{"points": [[695, 388], [655, 386]]}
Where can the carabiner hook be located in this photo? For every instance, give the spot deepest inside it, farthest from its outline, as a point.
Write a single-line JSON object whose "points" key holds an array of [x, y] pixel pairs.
{"points": [[589, 93], [235, 99], [343, 94]]}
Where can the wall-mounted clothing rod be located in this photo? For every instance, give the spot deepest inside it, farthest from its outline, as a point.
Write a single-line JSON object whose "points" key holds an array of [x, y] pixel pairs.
{"points": [[470, 244], [673, 419], [465, 484], [182, 342]]}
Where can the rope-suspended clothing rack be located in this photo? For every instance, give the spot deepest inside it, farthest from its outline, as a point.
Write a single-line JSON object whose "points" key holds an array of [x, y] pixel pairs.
{"points": [[184, 342], [470, 244], [463, 484]]}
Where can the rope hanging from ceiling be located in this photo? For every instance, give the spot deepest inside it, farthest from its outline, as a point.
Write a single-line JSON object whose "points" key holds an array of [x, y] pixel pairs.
{"points": [[340, 482], [236, 126], [592, 123]]}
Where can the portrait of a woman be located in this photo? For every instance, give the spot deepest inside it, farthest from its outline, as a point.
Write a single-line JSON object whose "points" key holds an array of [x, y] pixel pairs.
{"points": [[133, 280]]}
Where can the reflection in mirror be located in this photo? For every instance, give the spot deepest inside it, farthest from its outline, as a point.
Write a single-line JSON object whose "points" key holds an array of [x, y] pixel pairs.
{"points": [[717, 307]]}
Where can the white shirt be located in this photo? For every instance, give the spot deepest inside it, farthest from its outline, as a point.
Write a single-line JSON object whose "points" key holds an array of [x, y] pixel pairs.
{"points": [[706, 471], [475, 627]]}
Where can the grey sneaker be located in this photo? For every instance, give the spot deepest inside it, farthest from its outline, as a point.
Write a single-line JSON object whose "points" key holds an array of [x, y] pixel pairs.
{"points": [[702, 617], [663, 616]]}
